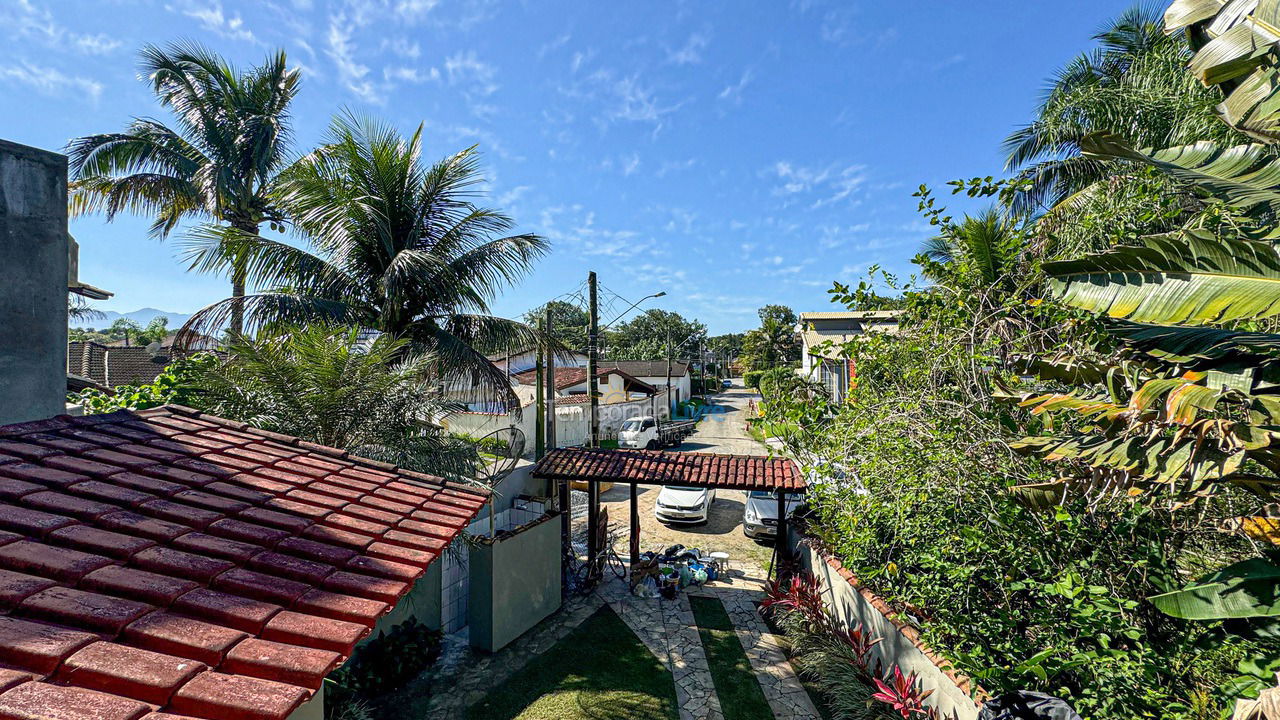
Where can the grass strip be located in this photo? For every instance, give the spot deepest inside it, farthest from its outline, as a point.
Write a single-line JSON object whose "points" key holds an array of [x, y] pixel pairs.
{"points": [[600, 670], [740, 695]]}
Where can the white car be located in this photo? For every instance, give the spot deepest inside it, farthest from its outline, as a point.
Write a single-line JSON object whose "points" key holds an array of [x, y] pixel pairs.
{"points": [[680, 504], [760, 517]]}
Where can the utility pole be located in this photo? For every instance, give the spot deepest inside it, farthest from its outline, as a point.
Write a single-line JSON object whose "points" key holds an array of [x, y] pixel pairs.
{"points": [[593, 345], [539, 422], [551, 383], [593, 487], [671, 411]]}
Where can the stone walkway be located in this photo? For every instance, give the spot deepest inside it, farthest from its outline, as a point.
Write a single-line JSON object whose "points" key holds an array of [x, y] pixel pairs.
{"points": [[666, 627]]}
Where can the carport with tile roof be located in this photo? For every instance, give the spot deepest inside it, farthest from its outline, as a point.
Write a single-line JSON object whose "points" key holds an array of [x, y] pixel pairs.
{"points": [[166, 562], [661, 467]]}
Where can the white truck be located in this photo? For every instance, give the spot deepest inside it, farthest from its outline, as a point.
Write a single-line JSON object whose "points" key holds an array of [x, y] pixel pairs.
{"points": [[650, 433]]}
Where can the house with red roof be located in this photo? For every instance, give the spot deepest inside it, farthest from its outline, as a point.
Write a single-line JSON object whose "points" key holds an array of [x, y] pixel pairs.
{"points": [[166, 564]]}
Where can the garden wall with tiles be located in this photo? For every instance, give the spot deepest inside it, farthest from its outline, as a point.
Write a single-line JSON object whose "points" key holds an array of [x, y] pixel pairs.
{"points": [[851, 603]]}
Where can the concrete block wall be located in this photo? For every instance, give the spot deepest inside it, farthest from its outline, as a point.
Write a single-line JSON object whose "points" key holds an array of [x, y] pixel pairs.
{"points": [[33, 283], [515, 583]]}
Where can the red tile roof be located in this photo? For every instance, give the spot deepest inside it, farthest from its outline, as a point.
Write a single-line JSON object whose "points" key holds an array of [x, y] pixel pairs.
{"points": [[658, 467], [167, 561], [567, 377]]}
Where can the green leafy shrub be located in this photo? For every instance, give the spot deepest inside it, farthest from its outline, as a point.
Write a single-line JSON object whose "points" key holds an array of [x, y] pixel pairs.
{"points": [[381, 666], [1015, 598], [751, 378], [172, 386]]}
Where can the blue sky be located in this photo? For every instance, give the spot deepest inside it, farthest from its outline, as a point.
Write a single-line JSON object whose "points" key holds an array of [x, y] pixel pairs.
{"points": [[731, 153]]}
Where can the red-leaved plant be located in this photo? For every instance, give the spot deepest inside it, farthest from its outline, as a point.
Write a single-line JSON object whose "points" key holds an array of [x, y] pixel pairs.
{"points": [[903, 695], [801, 593]]}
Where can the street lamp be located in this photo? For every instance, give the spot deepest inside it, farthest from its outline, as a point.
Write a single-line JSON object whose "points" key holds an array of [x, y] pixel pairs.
{"points": [[658, 294]]}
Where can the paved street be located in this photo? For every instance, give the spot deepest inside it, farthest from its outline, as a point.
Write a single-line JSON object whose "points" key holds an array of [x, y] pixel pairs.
{"points": [[722, 431]]}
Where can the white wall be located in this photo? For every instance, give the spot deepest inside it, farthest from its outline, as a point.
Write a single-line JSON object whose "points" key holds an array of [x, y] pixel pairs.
{"points": [[572, 420]]}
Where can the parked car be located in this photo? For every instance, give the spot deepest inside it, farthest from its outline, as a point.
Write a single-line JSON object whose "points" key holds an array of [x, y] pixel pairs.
{"points": [[726, 383], [682, 504], [760, 516]]}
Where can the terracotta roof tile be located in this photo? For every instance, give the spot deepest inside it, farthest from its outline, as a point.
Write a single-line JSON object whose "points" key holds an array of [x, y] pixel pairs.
{"points": [[311, 631], [62, 564], [16, 587], [44, 701], [656, 467], [100, 542], [10, 678], [281, 662], [174, 634], [118, 531], [135, 673], [149, 587], [85, 610], [233, 611], [219, 696], [38, 647]]}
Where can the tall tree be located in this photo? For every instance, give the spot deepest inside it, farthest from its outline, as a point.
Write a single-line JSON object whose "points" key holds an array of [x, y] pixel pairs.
{"points": [[568, 323], [1136, 84], [647, 335], [398, 246], [219, 163]]}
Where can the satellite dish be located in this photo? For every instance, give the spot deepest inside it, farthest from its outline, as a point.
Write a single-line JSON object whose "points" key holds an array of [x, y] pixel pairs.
{"points": [[500, 450]]}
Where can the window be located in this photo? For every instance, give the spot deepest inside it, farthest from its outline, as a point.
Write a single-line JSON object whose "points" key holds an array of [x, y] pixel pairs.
{"points": [[647, 425]]}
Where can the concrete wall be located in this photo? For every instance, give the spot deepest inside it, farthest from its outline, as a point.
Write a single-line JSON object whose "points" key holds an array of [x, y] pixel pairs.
{"points": [[422, 603], [900, 643], [33, 283], [515, 583], [572, 421]]}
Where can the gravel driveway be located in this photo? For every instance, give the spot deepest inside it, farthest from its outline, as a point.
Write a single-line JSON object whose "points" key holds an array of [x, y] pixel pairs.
{"points": [[723, 430]]}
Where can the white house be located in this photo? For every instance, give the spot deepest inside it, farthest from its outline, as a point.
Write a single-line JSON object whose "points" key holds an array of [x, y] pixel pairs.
{"points": [[527, 359], [654, 372], [822, 335]]}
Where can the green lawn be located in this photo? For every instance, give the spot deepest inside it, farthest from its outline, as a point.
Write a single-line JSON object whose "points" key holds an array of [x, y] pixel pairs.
{"points": [[600, 671], [740, 695]]}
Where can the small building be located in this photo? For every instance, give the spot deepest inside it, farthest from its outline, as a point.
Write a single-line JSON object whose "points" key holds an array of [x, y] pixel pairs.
{"points": [[614, 385], [823, 334], [654, 372], [170, 560], [527, 359]]}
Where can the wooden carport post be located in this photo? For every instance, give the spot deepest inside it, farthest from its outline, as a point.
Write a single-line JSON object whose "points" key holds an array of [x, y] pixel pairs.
{"points": [[784, 550], [635, 530]]}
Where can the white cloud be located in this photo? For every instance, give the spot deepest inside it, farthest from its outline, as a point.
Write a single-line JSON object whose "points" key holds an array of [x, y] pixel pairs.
{"points": [[211, 17], [690, 53], [631, 164], [26, 19], [476, 76], [50, 81], [409, 74], [510, 197], [669, 166], [555, 44], [733, 93], [403, 47], [415, 10], [351, 73], [833, 185]]}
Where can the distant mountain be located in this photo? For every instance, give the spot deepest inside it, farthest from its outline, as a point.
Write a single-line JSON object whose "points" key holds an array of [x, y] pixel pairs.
{"points": [[142, 317]]}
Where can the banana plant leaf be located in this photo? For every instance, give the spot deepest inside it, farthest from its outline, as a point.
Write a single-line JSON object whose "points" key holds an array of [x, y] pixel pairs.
{"points": [[1234, 44], [1188, 277], [1184, 345], [1250, 588], [1244, 176]]}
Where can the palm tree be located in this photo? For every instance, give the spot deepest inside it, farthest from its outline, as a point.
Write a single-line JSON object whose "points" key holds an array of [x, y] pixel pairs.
{"points": [[398, 247], [327, 385], [982, 252], [1135, 84], [220, 161]]}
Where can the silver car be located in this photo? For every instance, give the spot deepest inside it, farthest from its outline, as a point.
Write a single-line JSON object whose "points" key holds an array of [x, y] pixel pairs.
{"points": [[760, 517]]}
